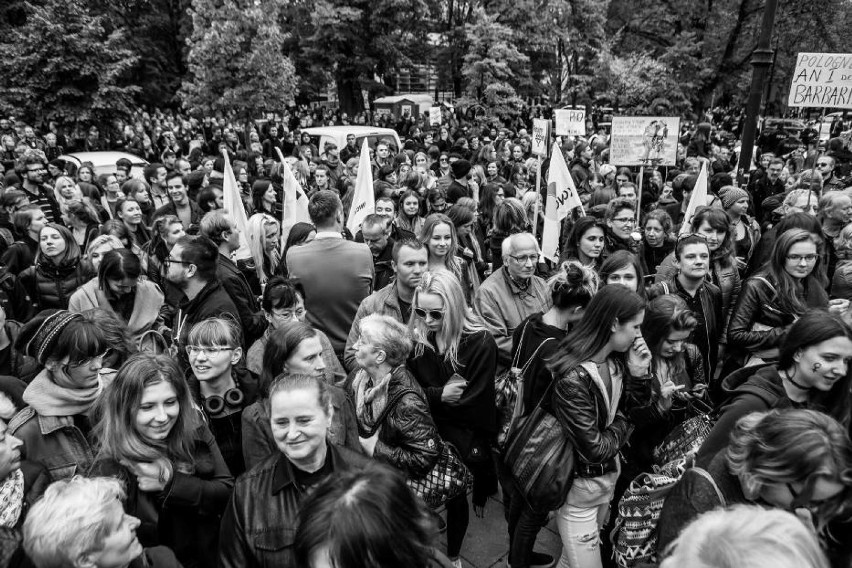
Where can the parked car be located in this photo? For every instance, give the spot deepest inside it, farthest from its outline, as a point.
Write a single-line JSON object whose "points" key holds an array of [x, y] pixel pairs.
{"points": [[322, 135], [104, 162]]}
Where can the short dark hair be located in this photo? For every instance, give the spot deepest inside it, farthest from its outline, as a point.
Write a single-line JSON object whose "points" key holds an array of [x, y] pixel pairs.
{"points": [[176, 174], [324, 207], [23, 218], [687, 240], [205, 197], [213, 224], [202, 252], [118, 264], [124, 164], [409, 243], [279, 293], [150, 170]]}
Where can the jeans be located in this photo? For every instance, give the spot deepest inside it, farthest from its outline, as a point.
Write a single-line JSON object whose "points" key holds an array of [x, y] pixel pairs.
{"points": [[524, 526], [581, 518]]}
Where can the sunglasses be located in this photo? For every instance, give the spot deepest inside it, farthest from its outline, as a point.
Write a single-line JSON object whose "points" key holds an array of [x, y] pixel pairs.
{"points": [[436, 315]]}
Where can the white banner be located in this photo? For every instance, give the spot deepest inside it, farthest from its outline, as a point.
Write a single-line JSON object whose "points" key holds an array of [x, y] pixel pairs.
{"points": [[540, 137], [435, 116], [644, 140], [364, 202], [570, 122], [822, 80]]}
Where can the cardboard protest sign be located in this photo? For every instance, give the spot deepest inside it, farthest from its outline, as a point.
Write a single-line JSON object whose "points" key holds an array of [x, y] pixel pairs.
{"points": [[644, 140], [822, 80], [570, 122], [435, 116], [540, 137]]}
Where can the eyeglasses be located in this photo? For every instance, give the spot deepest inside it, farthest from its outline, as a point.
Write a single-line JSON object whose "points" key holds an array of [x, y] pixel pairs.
{"points": [[192, 350], [524, 258], [91, 360], [436, 315], [167, 261], [797, 258], [298, 313], [823, 165], [624, 220]]}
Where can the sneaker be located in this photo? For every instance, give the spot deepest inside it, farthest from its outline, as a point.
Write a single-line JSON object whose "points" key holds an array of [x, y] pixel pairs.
{"points": [[541, 560], [457, 563]]}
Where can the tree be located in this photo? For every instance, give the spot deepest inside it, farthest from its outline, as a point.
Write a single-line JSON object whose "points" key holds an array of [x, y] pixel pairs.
{"points": [[62, 64], [236, 60], [640, 84], [492, 66]]}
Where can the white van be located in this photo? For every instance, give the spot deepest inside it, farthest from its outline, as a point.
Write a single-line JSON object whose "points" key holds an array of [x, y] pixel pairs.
{"points": [[322, 135]]}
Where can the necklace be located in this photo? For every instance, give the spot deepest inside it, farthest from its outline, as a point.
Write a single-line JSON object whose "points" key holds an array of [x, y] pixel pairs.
{"points": [[794, 383]]}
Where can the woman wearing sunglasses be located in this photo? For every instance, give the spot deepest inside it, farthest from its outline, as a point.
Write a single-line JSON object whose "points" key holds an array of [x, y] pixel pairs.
{"points": [[55, 426], [153, 439], [455, 361], [219, 386], [796, 460]]}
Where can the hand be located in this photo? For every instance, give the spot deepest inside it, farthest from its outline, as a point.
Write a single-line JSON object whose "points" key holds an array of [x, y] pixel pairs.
{"points": [[638, 357], [152, 477], [369, 444], [838, 305], [453, 391], [667, 390]]}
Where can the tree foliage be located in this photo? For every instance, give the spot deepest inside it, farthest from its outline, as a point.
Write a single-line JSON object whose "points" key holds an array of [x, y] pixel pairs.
{"points": [[235, 60], [62, 64]]}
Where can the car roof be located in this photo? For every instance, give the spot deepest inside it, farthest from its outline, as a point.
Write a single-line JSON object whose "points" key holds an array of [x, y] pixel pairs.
{"points": [[103, 158], [356, 130]]}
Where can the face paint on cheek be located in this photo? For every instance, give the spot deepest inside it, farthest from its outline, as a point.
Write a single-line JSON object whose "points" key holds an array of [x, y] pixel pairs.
{"points": [[816, 367]]}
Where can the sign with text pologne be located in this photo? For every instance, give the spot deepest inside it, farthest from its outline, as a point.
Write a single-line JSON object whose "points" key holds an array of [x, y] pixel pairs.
{"points": [[822, 80]]}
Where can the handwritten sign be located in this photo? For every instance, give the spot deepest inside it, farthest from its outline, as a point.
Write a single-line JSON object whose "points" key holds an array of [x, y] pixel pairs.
{"points": [[539, 137], [435, 116], [822, 80], [644, 140], [570, 122]]}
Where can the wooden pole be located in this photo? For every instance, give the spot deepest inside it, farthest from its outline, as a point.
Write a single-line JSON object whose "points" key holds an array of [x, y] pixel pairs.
{"points": [[538, 196], [639, 197]]}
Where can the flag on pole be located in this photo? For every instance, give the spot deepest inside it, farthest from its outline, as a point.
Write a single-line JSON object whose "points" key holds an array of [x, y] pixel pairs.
{"points": [[233, 207], [562, 197], [364, 202], [696, 200], [295, 209]]}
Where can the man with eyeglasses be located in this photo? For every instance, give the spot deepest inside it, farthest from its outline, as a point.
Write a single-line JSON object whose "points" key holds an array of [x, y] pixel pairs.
{"points": [[765, 186], [191, 266], [512, 294], [830, 181], [31, 167]]}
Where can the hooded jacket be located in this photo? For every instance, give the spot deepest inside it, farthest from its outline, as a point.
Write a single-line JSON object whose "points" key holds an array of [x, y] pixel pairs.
{"points": [[146, 305], [50, 286]]}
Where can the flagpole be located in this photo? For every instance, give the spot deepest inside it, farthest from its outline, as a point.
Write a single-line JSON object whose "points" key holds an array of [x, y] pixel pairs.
{"points": [[639, 196], [537, 197]]}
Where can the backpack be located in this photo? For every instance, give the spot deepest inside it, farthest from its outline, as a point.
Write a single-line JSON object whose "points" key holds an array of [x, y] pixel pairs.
{"points": [[634, 538]]}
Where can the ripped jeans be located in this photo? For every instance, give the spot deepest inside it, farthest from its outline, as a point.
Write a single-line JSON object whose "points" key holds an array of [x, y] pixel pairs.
{"points": [[581, 518]]}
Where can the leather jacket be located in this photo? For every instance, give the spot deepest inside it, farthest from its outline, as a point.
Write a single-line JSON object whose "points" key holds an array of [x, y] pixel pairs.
{"points": [[727, 279], [259, 526], [49, 286], [579, 404]]}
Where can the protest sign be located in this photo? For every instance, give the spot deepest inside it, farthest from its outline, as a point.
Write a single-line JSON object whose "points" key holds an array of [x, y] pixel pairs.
{"points": [[644, 140], [539, 137], [435, 116], [570, 122], [822, 80]]}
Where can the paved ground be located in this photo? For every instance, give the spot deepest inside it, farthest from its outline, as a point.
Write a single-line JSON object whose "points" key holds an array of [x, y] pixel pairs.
{"points": [[487, 542]]}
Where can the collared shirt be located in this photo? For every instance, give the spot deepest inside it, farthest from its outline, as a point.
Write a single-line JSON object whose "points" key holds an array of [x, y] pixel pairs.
{"points": [[328, 235]]}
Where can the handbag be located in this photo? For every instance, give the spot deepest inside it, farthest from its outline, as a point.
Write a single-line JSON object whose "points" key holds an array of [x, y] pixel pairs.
{"points": [[769, 354], [155, 343], [446, 479], [685, 439], [540, 458]]}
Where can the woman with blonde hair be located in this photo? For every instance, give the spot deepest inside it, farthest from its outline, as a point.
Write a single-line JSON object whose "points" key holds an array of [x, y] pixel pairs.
{"points": [[263, 233], [441, 240], [99, 246], [455, 361]]}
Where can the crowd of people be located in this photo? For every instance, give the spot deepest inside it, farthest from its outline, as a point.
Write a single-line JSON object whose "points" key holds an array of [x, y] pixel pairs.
{"points": [[165, 403]]}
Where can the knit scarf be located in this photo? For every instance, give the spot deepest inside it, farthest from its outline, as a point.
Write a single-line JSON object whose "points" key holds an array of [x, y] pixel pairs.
{"points": [[49, 399], [370, 398], [11, 499]]}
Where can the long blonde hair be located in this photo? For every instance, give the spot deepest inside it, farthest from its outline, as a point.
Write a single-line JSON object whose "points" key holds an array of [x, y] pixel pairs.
{"points": [[256, 233], [457, 321]]}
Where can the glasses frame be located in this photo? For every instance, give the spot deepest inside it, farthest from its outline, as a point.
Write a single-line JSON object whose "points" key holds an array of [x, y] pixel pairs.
{"points": [[211, 351], [436, 315]]}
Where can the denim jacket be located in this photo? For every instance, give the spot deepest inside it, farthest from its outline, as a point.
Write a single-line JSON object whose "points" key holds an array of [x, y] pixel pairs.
{"points": [[53, 441]]}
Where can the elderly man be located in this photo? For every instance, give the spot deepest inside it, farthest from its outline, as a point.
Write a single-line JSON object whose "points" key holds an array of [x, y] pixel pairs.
{"points": [[512, 293]]}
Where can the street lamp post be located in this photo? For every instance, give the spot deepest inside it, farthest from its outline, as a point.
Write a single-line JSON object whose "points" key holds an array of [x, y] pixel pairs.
{"points": [[761, 59]]}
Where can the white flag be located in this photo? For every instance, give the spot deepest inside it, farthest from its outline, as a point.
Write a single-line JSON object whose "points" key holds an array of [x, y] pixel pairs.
{"points": [[295, 209], [562, 197], [696, 200], [364, 202], [234, 208]]}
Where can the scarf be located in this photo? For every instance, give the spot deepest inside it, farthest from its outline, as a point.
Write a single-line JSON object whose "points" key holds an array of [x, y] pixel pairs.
{"points": [[11, 499], [49, 399], [370, 398]]}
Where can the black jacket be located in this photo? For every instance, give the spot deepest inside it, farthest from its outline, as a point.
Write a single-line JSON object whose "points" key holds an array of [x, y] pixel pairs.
{"points": [[212, 301], [259, 526], [538, 377], [20, 255], [235, 283], [48, 286]]}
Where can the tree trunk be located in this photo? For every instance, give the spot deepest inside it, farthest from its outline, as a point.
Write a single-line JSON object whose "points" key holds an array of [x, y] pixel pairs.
{"points": [[350, 97]]}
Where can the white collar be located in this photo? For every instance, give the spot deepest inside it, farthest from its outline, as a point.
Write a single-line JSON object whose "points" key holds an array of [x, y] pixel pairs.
{"points": [[327, 235]]}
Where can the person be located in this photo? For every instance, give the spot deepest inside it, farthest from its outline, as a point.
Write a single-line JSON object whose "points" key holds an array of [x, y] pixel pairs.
{"points": [[772, 299], [841, 281], [658, 240], [747, 535], [300, 234], [601, 389], [58, 272], [191, 266], [620, 219], [166, 232], [702, 298], [810, 373], [510, 217], [402, 435], [763, 251], [455, 362], [512, 294], [625, 269], [31, 167], [376, 234], [284, 302], [585, 242], [796, 460], [260, 521], [745, 232], [263, 232], [439, 236], [13, 362], [336, 274], [409, 218], [220, 386], [144, 195], [294, 348], [27, 223], [835, 213], [351, 515], [224, 232], [119, 290], [55, 424], [151, 437], [534, 343], [264, 198], [181, 206], [81, 522], [99, 246], [82, 220], [129, 213]]}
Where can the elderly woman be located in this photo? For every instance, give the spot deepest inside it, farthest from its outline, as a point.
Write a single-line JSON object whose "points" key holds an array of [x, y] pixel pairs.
{"points": [[835, 212], [80, 522], [393, 416]]}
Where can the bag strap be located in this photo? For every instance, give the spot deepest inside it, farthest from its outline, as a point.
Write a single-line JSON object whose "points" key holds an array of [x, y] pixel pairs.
{"points": [[768, 283], [391, 404], [519, 402], [706, 475], [533, 356], [665, 287], [520, 345]]}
